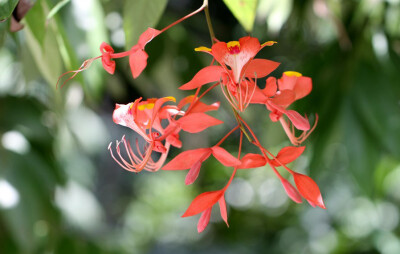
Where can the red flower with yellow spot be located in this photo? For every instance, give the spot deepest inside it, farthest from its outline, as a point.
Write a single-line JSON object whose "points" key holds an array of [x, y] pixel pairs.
{"points": [[237, 69]]}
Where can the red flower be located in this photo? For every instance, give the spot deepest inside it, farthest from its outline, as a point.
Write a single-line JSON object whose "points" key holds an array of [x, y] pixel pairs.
{"points": [[237, 71], [145, 119], [278, 97]]}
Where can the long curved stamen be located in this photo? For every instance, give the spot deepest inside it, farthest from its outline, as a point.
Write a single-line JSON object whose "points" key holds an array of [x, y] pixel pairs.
{"points": [[85, 65], [137, 163]]}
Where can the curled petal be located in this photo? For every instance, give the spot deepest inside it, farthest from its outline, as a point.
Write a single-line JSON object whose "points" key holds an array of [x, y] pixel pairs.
{"points": [[270, 87], [147, 36], [108, 64]]}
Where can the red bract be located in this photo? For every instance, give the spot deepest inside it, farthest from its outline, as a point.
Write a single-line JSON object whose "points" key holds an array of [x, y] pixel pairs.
{"points": [[308, 189], [193, 159], [203, 204]]}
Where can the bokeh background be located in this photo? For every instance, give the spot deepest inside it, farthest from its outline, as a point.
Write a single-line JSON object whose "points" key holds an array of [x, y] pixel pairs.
{"points": [[60, 191]]}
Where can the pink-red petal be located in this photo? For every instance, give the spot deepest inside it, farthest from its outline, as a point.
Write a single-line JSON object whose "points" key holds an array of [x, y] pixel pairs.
{"points": [[287, 155], [196, 122], [202, 202], [300, 122], [193, 173], [291, 191], [270, 87], [138, 62], [187, 159], [222, 209], [206, 75], [252, 160], [225, 157], [259, 68], [204, 220]]}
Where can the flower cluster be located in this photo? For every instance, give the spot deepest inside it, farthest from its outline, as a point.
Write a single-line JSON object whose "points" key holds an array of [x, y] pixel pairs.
{"points": [[159, 121]]}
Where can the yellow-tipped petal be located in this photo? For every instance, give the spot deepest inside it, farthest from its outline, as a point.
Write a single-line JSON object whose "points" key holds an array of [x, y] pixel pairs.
{"points": [[170, 98], [203, 49], [268, 43], [292, 74]]}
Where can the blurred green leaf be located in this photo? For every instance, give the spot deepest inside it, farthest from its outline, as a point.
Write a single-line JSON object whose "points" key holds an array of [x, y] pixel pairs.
{"points": [[36, 20], [244, 11], [139, 15], [56, 8], [6, 8]]}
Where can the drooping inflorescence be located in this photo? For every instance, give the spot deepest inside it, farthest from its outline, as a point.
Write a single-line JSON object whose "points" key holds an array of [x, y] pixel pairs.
{"points": [[159, 122]]}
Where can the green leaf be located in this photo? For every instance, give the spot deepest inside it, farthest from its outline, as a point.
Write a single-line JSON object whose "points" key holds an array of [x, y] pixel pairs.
{"points": [[244, 11], [36, 20], [6, 8], [56, 8], [139, 15]]}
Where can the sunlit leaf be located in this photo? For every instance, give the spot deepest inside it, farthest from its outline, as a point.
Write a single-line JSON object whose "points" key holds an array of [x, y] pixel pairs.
{"points": [[6, 8], [140, 15], [57, 8], [244, 11]]}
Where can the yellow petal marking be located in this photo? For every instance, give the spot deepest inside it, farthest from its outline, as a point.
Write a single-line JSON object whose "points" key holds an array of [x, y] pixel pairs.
{"points": [[203, 49], [292, 74]]}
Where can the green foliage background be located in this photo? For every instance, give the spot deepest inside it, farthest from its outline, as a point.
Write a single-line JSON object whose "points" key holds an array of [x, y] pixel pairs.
{"points": [[60, 191]]}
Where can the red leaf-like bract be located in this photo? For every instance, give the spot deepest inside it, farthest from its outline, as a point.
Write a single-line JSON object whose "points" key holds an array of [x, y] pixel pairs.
{"points": [[308, 189], [204, 220], [196, 122], [287, 155], [291, 191], [206, 75], [138, 62], [202, 202], [259, 68], [225, 157], [187, 159], [252, 160]]}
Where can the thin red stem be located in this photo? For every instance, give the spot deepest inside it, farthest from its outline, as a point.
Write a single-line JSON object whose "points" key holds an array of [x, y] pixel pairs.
{"points": [[235, 169], [227, 135], [204, 5]]}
